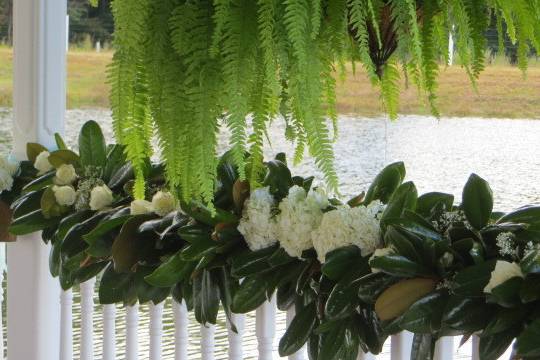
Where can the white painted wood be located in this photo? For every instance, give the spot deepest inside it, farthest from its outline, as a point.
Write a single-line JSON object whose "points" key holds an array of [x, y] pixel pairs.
{"points": [[109, 332], [87, 317], [401, 345], [301, 354], [181, 335], [132, 339], [444, 348], [475, 348], [266, 328], [365, 356], [156, 330], [39, 102], [66, 325], [208, 342], [451, 46], [3, 266], [236, 351]]}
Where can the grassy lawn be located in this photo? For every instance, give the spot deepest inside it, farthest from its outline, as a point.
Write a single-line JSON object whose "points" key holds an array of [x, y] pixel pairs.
{"points": [[502, 91]]}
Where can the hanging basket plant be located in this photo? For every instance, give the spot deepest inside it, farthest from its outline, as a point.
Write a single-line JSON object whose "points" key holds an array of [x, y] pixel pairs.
{"points": [[183, 69]]}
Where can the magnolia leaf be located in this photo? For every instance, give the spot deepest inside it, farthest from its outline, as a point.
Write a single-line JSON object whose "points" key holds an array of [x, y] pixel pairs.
{"points": [[206, 298], [472, 280], [126, 246], [385, 183], [493, 347], [530, 264], [147, 292], [527, 343], [404, 198], [250, 295], [400, 266], [170, 272], [117, 287], [240, 194], [31, 222], [477, 201], [527, 215], [252, 262], [60, 157], [424, 316], [466, 314], [395, 300], [433, 200], [60, 142], [92, 147], [298, 331], [340, 261], [33, 150]]}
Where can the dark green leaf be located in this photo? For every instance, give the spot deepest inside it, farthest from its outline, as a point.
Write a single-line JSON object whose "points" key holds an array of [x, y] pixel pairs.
{"points": [[60, 157], [340, 261], [29, 223], [385, 183], [424, 316], [527, 343], [206, 298], [472, 280], [433, 200], [404, 198], [400, 266], [92, 147], [126, 249], [507, 293], [252, 262], [423, 347], [116, 287], [492, 347], [250, 295], [170, 272], [298, 331], [477, 201]]}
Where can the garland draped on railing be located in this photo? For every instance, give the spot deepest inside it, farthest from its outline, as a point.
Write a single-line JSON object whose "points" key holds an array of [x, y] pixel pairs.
{"points": [[387, 260]]}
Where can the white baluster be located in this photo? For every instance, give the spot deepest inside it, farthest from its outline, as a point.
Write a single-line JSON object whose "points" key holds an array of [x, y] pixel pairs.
{"points": [[109, 332], [181, 336], [266, 328], [87, 315], [475, 348], [236, 351], [156, 330], [207, 341], [290, 316], [444, 348], [132, 341], [401, 346], [66, 325], [364, 356]]}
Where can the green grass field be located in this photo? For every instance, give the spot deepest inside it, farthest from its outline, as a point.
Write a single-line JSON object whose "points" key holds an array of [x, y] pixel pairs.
{"points": [[502, 90]]}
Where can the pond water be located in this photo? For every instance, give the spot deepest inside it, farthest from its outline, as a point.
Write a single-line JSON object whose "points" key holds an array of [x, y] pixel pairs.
{"points": [[439, 156]]}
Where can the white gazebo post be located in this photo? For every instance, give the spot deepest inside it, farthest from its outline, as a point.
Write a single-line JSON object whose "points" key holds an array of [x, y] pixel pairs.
{"points": [[39, 110]]}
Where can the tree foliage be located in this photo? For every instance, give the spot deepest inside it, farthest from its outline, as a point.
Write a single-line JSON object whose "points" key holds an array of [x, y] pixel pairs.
{"points": [[183, 68]]}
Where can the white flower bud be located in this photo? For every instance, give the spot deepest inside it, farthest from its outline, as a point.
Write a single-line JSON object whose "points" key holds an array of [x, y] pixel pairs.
{"points": [[65, 175], [140, 207], [100, 197], [42, 163], [6, 181], [163, 203], [64, 195], [503, 271]]}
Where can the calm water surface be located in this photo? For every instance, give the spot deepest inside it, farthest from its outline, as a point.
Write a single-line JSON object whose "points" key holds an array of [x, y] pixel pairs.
{"points": [[439, 156]]}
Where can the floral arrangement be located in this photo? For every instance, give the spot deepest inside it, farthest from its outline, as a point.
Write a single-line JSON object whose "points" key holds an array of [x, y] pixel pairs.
{"points": [[356, 272]]}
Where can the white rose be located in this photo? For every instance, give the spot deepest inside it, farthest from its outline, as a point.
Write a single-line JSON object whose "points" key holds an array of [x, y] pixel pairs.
{"points": [[300, 214], [347, 226], [6, 181], [64, 195], [378, 253], [65, 175], [163, 203], [503, 271], [257, 224], [140, 207], [9, 165], [42, 163], [100, 197]]}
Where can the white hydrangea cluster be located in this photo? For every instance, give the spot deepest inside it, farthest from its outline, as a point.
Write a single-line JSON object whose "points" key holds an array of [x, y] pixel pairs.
{"points": [[300, 214], [8, 169], [506, 244], [42, 163], [257, 225], [348, 226], [503, 271]]}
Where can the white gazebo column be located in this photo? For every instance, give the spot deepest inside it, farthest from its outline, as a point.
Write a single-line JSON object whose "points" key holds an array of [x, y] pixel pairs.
{"points": [[39, 99]]}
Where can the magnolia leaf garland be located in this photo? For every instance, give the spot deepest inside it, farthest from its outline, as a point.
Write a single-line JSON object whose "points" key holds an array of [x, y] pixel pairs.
{"points": [[184, 68], [357, 272]]}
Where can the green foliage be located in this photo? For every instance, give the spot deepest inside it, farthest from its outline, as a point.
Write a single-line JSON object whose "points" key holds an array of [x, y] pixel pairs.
{"points": [[185, 68]]}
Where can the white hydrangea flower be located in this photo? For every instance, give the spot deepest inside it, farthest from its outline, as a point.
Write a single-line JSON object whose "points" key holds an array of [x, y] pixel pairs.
{"points": [[300, 214], [348, 226], [503, 271], [378, 253], [42, 163], [506, 245], [9, 165], [140, 207], [6, 181], [257, 224], [100, 197], [163, 203], [64, 195], [65, 175]]}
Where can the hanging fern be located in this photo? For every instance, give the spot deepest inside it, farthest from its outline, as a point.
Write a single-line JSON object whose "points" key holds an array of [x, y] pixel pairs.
{"points": [[185, 68]]}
